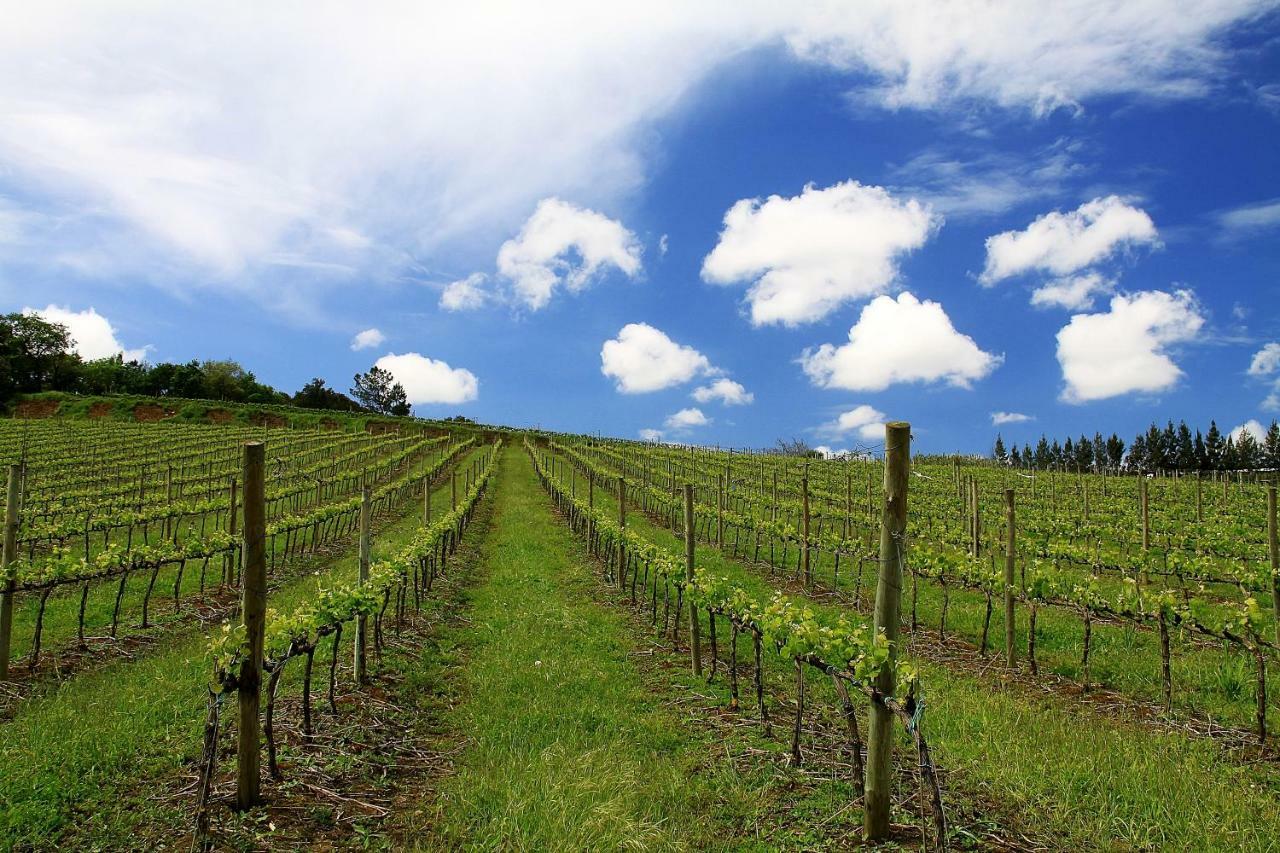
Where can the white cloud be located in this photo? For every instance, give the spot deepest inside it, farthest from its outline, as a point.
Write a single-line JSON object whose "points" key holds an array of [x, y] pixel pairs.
{"points": [[726, 391], [562, 244], [292, 134], [686, 419], [999, 418], [1253, 427], [985, 182], [1062, 243], [651, 435], [1126, 348], [643, 359], [1266, 361], [367, 339], [465, 294], [865, 421], [807, 255], [902, 340], [429, 380], [1251, 218], [663, 245], [1075, 292], [92, 335]]}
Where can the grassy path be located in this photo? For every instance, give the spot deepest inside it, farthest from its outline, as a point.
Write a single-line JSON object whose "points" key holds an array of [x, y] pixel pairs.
{"points": [[568, 748], [68, 755], [1047, 764]]}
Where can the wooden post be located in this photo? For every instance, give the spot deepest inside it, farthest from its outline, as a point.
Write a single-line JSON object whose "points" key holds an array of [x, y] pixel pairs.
{"points": [[804, 530], [426, 501], [1146, 515], [719, 512], [362, 621], [591, 516], [453, 488], [622, 522], [1273, 549], [1010, 552], [975, 516], [253, 615], [695, 645], [1199, 499], [10, 554], [893, 530]]}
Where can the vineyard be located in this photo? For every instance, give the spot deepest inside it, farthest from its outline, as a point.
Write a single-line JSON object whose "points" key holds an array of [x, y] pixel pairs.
{"points": [[413, 634]]}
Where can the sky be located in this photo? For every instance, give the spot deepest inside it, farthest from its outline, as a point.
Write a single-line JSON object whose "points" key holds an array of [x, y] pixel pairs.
{"points": [[717, 223]]}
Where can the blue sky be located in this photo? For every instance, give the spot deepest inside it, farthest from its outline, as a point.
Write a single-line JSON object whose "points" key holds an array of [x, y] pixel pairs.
{"points": [[1070, 215]]}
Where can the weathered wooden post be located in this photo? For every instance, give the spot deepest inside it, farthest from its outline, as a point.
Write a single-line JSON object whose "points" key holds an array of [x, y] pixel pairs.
{"points": [[719, 513], [362, 621], [1010, 552], [253, 616], [1273, 549], [695, 640], [453, 489], [426, 501], [804, 530], [893, 529], [1146, 513], [10, 554], [591, 516], [622, 522]]}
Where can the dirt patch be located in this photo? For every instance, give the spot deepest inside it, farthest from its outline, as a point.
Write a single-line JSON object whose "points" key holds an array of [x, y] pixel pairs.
{"points": [[150, 413], [380, 428], [99, 410], [219, 416], [37, 409], [267, 419], [328, 423]]}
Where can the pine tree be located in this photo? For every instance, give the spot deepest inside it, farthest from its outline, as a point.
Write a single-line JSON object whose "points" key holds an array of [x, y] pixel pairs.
{"points": [[1099, 452], [1248, 452], [1185, 455], [1115, 451], [1202, 456], [1271, 446], [1015, 457], [378, 391], [1042, 458], [1214, 448]]}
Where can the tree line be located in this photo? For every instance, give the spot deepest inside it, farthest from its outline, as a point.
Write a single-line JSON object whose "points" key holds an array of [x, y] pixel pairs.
{"points": [[36, 355], [1155, 449]]}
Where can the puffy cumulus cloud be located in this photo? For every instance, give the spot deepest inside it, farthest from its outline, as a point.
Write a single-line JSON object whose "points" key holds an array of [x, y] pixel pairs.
{"points": [[1074, 292], [562, 244], [429, 380], [864, 421], [643, 359], [367, 339], [1253, 427], [1266, 361], [1266, 364], [1125, 349], [92, 335], [807, 255], [686, 419], [899, 340], [651, 435], [465, 294], [726, 391], [1062, 243], [295, 134], [1001, 418]]}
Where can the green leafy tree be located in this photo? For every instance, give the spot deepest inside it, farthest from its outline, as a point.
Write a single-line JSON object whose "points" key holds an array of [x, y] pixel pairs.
{"points": [[35, 355], [378, 391]]}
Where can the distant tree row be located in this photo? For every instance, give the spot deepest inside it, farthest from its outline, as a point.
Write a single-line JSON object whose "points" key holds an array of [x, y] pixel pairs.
{"points": [[1156, 449], [36, 355]]}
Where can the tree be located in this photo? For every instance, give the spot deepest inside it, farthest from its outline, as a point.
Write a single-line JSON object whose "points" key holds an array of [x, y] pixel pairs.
{"points": [[1202, 455], [797, 447], [35, 355], [1099, 452], [1042, 458], [998, 452], [1271, 446], [378, 391], [1139, 454], [1214, 448], [1248, 452], [316, 395], [1015, 457], [1184, 456], [1115, 451]]}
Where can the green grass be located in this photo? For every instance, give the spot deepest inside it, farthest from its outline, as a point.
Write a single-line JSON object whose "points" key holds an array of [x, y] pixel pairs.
{"points": [[68, 756], [568, 747], [1060, 770]]}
